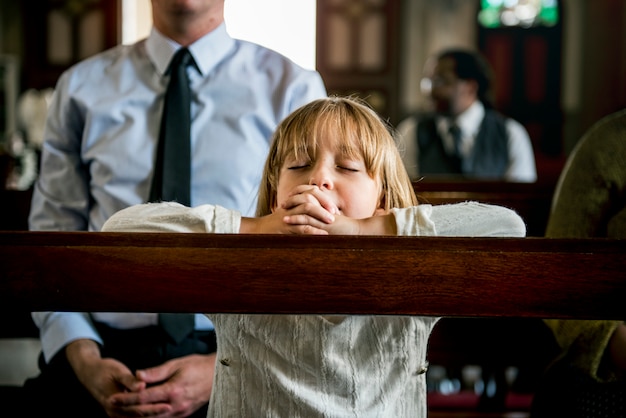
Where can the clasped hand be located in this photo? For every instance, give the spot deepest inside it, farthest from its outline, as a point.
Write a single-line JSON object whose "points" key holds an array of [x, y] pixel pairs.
{"points": [[176, 388], [309, 210]]}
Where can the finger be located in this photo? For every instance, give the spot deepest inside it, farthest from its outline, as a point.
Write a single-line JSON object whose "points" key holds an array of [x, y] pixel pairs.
{"points": [[306, 197], [313, 212], [131, 383], [152, 395], [307, 230], [311, 230], [325, 201], [156, 374], [147, 410], [320, 197], [304, 220], [303, 188]]}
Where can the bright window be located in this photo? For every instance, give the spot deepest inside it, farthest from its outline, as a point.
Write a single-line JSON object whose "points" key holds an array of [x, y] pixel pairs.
{"points": [[287, 26]]}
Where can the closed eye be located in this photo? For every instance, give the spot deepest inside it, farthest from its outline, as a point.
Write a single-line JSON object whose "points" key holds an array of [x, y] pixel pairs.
{"points": [[298, 166], [350, 164]]}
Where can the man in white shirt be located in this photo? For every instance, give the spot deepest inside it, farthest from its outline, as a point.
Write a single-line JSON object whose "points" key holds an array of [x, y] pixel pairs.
{"points": [[464, 136], [99, 157]]}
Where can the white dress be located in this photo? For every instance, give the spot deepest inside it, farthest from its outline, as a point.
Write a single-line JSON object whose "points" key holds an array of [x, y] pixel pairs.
{"points": [[313, 365]]}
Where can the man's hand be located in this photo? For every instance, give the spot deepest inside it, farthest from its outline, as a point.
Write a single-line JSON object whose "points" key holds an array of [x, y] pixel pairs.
{"points": [[176, 388], [103, 378]]}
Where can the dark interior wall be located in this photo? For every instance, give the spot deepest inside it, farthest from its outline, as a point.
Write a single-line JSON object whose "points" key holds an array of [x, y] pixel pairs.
{"points": [[594, 64], [604, 63], [11, 33]]}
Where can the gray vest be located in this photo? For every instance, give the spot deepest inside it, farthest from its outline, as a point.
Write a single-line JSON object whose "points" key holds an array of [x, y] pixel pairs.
{"points": [[488, 160]]}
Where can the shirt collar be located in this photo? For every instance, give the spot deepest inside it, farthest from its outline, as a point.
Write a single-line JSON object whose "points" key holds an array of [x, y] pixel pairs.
{"points": [[470, 120], [207, 51]]}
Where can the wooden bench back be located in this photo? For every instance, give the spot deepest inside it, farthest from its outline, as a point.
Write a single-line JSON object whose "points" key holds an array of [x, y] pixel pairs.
{"points": [[531, 201], [491, 292], [480, 277]]}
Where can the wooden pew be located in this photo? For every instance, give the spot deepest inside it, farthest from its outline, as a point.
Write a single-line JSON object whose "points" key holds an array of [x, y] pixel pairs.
{"points": [[478, 277], [531, 201], [486, 341], [496, 279]]}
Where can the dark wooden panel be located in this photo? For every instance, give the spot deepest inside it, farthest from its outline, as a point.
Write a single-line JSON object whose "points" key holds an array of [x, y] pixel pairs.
{"points": [[490, 277], [347, 24]]}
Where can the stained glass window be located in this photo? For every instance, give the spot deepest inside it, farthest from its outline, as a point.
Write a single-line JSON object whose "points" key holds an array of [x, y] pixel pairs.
{"points": [[521, 13]]}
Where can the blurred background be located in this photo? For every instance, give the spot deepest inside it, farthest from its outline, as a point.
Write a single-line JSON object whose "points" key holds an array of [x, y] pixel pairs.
{"points": [[560, 65]]}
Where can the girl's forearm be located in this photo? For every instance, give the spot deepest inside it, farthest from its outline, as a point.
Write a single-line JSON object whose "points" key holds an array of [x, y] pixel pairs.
{"points": [[379, 225], [247, 226]]}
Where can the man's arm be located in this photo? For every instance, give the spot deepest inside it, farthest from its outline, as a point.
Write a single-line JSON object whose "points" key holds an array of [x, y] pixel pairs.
{"points": [[521, 156], [61, 195], [60, 203], [57, 329]]}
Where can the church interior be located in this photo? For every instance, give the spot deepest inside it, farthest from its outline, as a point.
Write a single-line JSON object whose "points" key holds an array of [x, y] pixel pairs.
{"points": [[557, 71]]}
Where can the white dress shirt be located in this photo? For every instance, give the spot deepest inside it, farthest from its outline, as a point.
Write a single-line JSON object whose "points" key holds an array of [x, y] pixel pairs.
{"points": [[102, 131]]}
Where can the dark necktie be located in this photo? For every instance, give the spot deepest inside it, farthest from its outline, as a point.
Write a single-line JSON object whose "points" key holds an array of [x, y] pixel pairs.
{"points": [[455, 133], [177, 325], [172, 171]]}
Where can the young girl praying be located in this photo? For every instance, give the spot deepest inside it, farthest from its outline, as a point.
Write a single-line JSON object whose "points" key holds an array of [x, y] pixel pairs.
{"points": [[333, 168]]}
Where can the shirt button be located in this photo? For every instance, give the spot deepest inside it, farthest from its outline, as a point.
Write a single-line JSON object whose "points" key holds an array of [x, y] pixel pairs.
{"points": [[423, 369]]}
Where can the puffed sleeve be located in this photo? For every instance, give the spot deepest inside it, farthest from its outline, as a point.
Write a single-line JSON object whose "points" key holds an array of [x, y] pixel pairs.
{"points": [[467, 219], [174, 217]]}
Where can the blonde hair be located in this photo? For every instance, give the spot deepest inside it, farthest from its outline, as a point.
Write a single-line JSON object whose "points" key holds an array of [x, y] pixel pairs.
{"points": [[361, 132]]}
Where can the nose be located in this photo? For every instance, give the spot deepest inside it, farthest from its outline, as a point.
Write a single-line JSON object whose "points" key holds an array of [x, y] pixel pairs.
{"points": [[321, 178]]}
